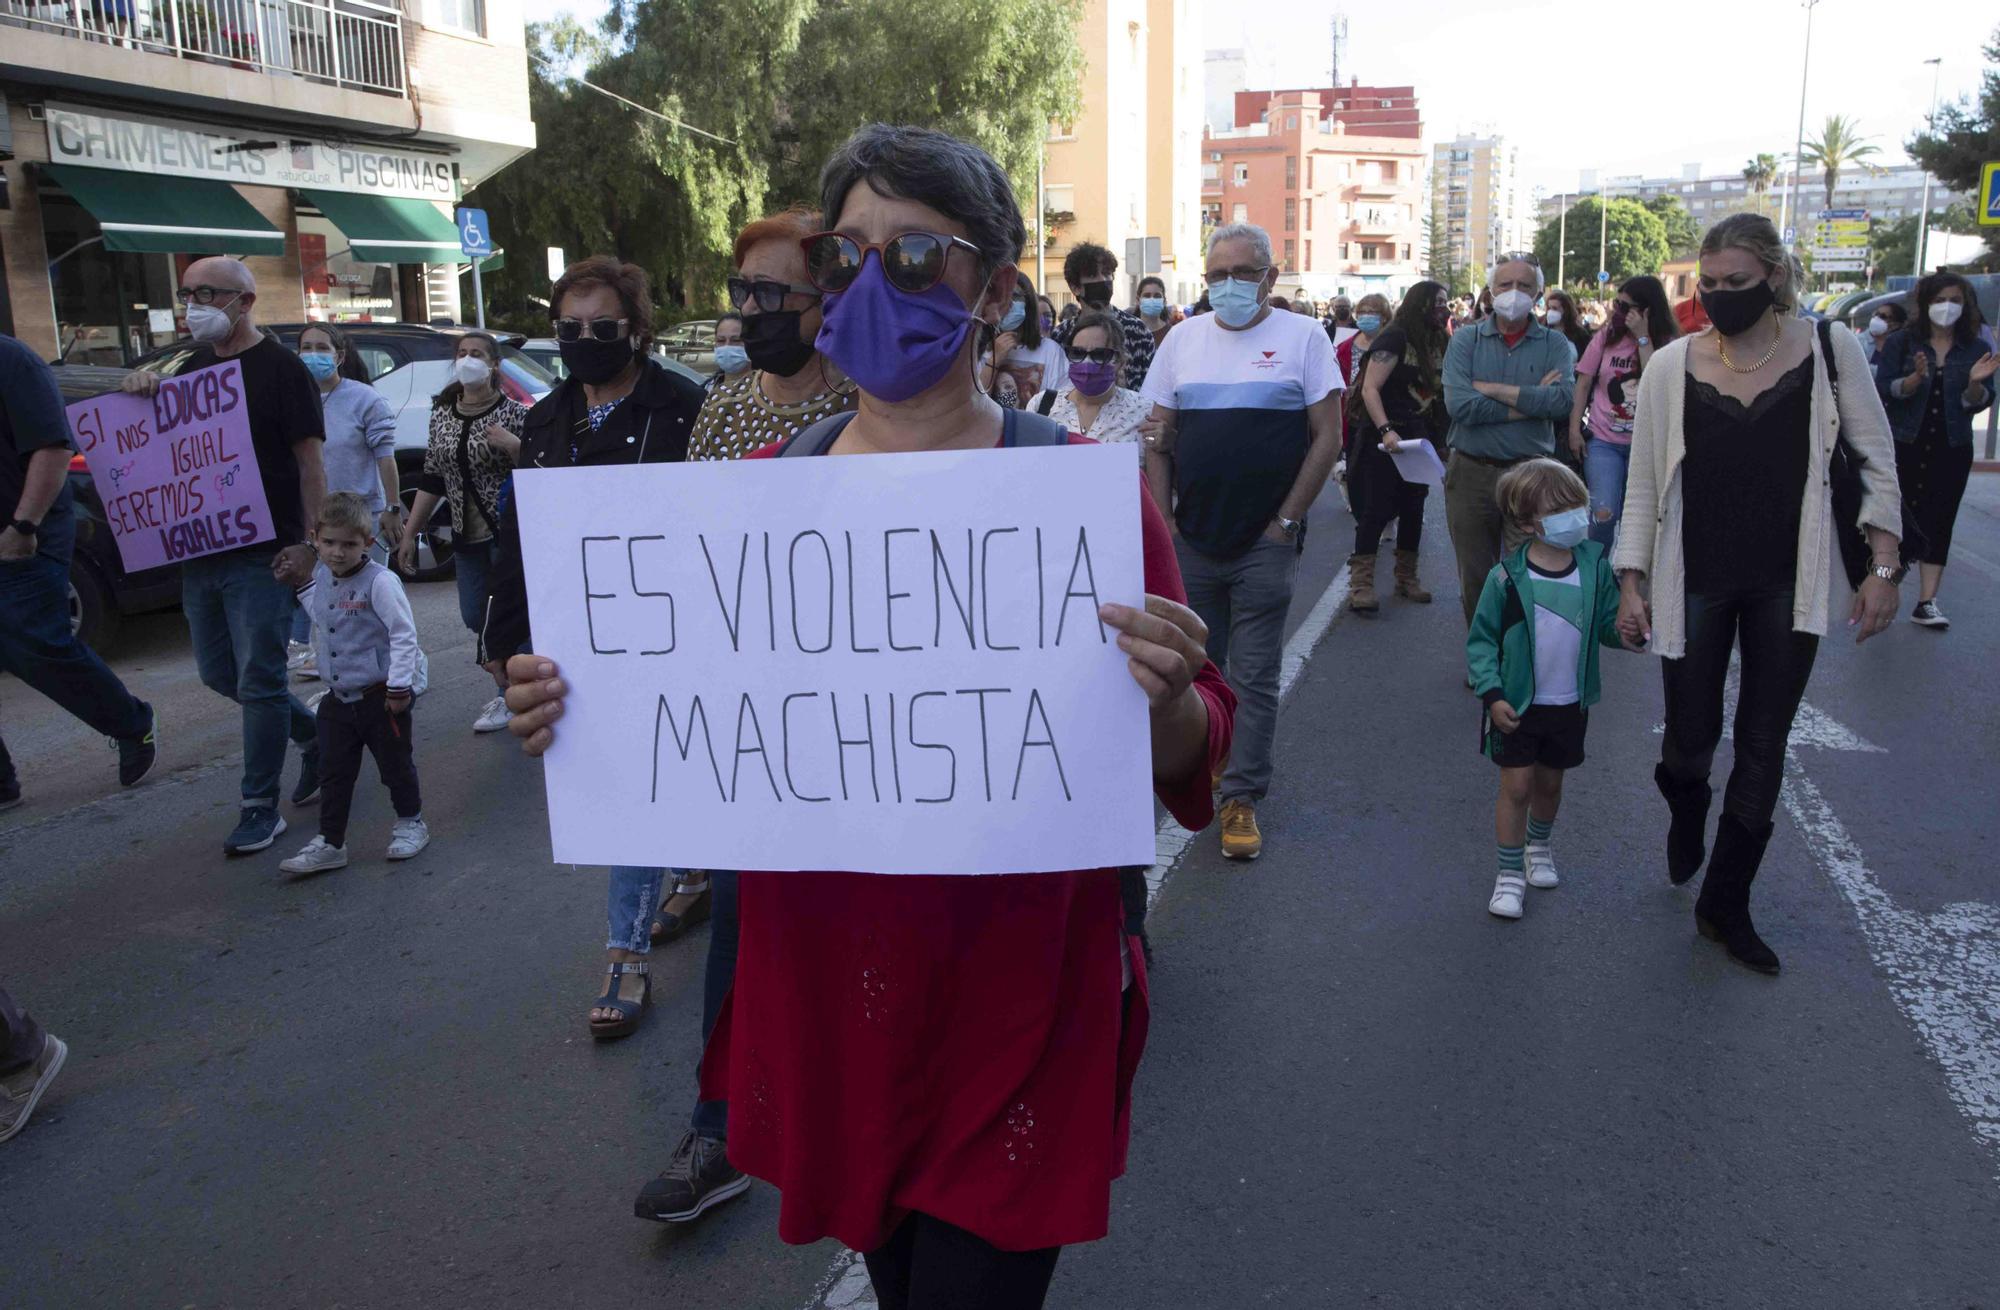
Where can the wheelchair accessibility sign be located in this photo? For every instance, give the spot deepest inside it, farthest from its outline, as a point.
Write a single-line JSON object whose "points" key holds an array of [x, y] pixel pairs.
{"points": [[475, 238]]}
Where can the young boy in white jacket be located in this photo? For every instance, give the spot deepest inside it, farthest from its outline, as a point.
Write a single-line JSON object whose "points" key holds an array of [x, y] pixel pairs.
{"points": [[365, 641]]}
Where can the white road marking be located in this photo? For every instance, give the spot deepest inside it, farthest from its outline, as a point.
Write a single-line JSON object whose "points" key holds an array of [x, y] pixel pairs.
{"points": [[1979, 563], [845, 1286]]}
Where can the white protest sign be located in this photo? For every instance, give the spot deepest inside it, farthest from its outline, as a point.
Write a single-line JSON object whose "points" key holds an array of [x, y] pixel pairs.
{"points": [[885, 663]]}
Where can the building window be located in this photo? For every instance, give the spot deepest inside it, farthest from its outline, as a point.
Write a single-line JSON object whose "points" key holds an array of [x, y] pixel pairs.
{"points": [[1060, 199], [1061, 131], [1406, 252], [1241, 174], [1211, 173], [1309, 254], [1239, 213], [458, 15], [1291, 214], [1385, 104], [1291, 172], [1309, 218], [1310, 170], [1291, 122], [1291, 257]]}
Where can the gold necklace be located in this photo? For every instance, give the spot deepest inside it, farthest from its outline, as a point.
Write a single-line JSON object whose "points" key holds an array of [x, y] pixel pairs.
{"points": [[1777, 337]]}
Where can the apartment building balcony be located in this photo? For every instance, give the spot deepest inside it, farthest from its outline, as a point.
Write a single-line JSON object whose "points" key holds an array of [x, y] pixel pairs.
{"points": [[350, 44], [1379, 189]]}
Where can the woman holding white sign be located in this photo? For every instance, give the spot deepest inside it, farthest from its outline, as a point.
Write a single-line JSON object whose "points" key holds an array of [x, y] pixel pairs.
{"points": [[997, 1100]]}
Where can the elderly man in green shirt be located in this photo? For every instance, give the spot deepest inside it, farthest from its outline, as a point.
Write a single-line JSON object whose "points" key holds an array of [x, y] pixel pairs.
{"points": [[1507, 384]]}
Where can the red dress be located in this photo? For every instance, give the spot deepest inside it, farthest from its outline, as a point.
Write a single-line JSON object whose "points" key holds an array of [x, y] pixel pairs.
{"points": [[960, 1046]]}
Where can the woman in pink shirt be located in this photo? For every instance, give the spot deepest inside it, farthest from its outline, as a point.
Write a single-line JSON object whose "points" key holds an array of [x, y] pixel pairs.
{"points": [[1607, 393]]}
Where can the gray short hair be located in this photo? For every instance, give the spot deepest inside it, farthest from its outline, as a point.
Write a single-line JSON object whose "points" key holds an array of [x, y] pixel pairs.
{"points": [[1518, 257], [954, 177], [1259, 239]]}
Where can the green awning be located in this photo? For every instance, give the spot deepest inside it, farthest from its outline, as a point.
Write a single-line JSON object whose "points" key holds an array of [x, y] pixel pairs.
{"points": [[389, 229], [151, 213]]}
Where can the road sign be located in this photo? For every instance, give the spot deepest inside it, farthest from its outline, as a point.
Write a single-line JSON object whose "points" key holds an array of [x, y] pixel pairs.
{"points": [[1603, 276], [1827, 214], [1989, 194], [1791, 235], [475, 238]]}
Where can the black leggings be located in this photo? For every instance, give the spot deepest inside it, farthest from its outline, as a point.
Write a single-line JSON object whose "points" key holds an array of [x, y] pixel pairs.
{"points": [[1405, 504], [928, 1264], [1776, 664]]}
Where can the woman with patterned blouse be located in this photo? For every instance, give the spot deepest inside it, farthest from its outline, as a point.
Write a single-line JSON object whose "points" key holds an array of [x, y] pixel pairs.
{"points": [[474, 435], [787, 387], [1089, 400]]}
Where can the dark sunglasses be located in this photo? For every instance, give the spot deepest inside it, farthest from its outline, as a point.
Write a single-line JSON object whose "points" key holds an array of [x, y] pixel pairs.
{"points": [[913, 262], [600, 329], [1623, 306], [770, 295], [1101, 355]]}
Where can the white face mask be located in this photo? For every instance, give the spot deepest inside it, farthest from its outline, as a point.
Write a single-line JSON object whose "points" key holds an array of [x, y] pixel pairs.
{"points": [[471, 371], [1514, 305], [1944, 313], [1554, 318], [208, 324], [1878, 326]]}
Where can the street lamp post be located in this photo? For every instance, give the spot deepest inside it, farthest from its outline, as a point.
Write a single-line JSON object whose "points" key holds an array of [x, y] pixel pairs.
{"points": [[1799, 142], [1562, 234], [1924, 210], [1603, 227]]}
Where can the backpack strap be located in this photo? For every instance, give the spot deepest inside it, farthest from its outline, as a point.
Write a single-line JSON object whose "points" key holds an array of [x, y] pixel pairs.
{"points": [[1826, 353], [1048, 402], [817, 439]]}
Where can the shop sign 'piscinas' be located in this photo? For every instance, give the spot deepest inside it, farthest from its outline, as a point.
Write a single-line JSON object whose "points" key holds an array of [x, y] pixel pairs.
{"points": [[99, 140]]}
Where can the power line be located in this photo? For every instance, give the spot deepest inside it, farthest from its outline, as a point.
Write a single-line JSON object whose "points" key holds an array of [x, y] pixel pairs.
{"points": [[553, 67]]}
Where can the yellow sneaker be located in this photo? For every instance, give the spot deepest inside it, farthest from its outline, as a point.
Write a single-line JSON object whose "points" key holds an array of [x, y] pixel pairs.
{"points": [[1240, 838]]}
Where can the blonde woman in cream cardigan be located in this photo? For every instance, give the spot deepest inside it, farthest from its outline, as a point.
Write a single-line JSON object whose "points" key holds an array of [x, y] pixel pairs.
{"points": [[1729, 528]]}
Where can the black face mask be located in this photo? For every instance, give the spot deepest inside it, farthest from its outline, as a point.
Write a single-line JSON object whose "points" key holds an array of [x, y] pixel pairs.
{"points": [[594, 362], [1736, 312], [772, 341], [1096, 294]]}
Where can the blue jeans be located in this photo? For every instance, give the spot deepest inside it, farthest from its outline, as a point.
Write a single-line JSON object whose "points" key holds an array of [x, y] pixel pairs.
{"points": [[37, 646], [474, 561], [1604, 467], [711, 1118], [633, 896], [238, 616]]}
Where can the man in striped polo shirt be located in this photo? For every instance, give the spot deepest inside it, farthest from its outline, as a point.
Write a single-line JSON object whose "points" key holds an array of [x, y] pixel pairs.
{"points": [[1244, 431]]}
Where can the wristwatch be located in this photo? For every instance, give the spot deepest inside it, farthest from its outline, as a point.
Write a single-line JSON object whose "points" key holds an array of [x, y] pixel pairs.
{"points": [[1290, 527], [26, 528], [1892, 576], [1645, 341]]}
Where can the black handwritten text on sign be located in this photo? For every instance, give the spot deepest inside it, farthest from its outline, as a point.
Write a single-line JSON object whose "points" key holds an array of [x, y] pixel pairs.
{"points": [[888, 664]]}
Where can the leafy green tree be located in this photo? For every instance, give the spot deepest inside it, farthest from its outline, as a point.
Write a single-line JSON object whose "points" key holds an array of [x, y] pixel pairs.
{"points": [[1761, 172], [729, 110], [1838, 146], [1964, 138], [1893, 246], [1637, 236], [1683, 233]]}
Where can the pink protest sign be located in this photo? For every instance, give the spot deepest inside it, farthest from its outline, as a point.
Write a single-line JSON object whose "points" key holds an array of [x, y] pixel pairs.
{"points": [[176, 469]]}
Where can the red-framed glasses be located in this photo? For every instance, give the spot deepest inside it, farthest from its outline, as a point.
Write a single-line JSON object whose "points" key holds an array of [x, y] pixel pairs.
{"points": [[912, 261]]}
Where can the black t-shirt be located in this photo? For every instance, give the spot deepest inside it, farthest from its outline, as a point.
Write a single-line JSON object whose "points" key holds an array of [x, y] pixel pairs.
{"points": [[31, 419], [284, 408], [1403, 397]]}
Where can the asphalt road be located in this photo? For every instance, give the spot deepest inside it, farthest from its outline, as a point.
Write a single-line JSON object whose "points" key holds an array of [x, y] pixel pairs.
{"points": [[375, 1089]]}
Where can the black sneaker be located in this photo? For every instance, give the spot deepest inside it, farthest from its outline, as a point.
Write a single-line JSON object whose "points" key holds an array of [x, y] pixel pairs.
{"points": [[699, 1177], [308, 789], [137, 755], [1928, 615], [259, 827]]}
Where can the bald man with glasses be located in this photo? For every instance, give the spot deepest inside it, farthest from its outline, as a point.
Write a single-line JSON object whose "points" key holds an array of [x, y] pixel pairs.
{"points": [[239, 614]]}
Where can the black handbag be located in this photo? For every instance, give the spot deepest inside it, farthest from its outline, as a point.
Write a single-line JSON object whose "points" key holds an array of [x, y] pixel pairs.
{"points": [[1844, 478]]}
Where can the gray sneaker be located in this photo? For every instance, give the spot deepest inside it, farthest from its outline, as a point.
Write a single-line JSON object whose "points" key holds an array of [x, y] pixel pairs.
{"points": [[699, 1177], [20, 1091], [1928, 615], [408, 837], [318, 856]]}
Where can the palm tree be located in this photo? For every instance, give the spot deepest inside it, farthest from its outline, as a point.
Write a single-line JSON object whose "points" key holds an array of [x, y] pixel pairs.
{"points": [[1760, 173], [1838, 144]]}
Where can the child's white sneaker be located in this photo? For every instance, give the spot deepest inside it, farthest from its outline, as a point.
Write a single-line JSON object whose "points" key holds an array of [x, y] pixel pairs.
{"points": [[1541, 867], [408, 837], [318, 856], [1508, 889]]}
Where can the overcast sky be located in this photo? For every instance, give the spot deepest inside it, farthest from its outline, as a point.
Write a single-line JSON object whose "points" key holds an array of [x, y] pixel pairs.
{"points": [[1620, 87]]}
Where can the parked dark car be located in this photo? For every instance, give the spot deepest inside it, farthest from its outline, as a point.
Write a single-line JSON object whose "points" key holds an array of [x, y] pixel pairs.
{"points": [[407, 362]]}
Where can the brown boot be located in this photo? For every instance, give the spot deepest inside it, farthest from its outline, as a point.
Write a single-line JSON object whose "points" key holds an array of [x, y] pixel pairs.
{"points": [[1407, 585], [1361, 584]]}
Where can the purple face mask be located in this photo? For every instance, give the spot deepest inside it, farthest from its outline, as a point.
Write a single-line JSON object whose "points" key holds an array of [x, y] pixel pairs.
{"points": [[1092, 379], [893, 344]]}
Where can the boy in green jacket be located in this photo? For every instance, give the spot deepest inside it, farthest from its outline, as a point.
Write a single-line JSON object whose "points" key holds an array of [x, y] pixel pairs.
{"points": [[1532, 653]]}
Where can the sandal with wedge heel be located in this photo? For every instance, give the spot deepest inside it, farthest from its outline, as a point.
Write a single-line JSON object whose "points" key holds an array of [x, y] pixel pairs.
{"points": [[630, 1012]]}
